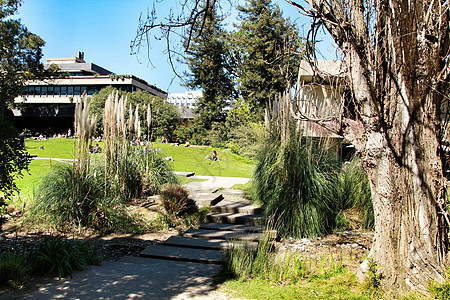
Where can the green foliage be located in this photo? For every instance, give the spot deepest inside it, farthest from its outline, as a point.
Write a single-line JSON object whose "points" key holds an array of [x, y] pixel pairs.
{"points": [[209, 68], [70, 201], [373, 278], [2, 211], [440, 290], [247, 139], [174, 198], [21, 52], [164, 116], [267, 48], [153, 171], [13, 161], [14, 269], [55, 255], [356, 193], [296, 182], [263, 263]]}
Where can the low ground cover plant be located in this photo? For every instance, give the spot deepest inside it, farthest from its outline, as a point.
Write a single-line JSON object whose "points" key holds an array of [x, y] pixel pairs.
{"points": [[53, 255]]}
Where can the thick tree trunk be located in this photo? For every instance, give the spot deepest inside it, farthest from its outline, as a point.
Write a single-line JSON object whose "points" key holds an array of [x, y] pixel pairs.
{"points": [[401, 156], [395, 74]]}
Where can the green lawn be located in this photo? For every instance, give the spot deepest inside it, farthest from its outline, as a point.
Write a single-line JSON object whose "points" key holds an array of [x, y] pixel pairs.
{"points": [[192, 159], [186, 159], [53, 148]]}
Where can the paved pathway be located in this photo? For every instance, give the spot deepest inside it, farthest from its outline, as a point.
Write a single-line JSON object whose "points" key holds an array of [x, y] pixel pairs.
{"points": [[143, 278]]}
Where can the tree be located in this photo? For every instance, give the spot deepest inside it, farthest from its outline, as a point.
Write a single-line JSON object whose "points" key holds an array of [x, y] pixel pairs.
{"points": [[164, 116], [269, 48], [396, 54], [20, 54], [209, 68]]}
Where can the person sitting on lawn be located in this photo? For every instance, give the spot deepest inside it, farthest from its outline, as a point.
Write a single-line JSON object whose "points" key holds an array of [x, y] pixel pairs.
{"points": [[214, 156]]}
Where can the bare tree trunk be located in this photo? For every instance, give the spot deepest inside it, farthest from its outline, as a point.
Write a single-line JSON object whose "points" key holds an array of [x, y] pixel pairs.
{"points": [[394, 76]]}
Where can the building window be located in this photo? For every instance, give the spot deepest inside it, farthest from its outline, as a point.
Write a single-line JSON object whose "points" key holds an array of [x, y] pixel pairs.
{"points": [[43, 90], [57, 90], [77, 90], [70, 91], [64, 91]]}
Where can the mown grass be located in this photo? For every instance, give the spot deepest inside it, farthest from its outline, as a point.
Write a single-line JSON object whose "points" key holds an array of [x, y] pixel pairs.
{"points": [[189, 159], [342, 286], [186, 159], [193, 159]]}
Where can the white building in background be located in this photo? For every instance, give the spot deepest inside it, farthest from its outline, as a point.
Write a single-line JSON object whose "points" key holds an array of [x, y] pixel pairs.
{"points": [[187, 99]]}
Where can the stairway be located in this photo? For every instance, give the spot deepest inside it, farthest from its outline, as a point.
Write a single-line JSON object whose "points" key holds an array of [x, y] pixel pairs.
{"points": [[233, 220]]}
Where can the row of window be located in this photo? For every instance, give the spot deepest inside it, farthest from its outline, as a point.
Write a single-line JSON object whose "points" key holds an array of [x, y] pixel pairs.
{"points": [[69, 90]]}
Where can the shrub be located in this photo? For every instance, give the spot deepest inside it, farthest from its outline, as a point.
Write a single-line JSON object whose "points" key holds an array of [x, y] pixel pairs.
{"points": [[174, 198], [14, 269], [356, 193], [247, 139], [153, 169], [2, 211], [55, 255], [296, 183], [69, 201]]}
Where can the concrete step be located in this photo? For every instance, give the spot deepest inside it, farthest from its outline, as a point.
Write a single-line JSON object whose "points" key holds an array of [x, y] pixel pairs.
{"points": [[182, 254], [242, 206], [234, 218], [184, 174], [208, 244], [231, 227], [224, 235], [205, 199]]}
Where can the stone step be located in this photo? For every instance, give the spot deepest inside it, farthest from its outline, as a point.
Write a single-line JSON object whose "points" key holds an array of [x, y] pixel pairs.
{"points": [[231, 227], [224, 235], [184, 174], [234, 218], [242, 206], [183, 254], [205, 199], [208, 244]]}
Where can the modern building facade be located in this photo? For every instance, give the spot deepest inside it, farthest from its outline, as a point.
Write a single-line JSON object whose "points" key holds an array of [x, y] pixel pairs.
{"points": [[187, 99], [51, 103]]}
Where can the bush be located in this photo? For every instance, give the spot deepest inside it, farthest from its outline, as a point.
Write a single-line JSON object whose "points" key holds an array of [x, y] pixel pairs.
{"points": [[174, 198], [154, 170], [2, 211], [356, 193], [296, 181], [247, 139], [55, 255], [69, 201], [14, 269]]}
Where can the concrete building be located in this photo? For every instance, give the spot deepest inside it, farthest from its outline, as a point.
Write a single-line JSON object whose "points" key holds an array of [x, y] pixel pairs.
{"points": [[51, 102], [187, 99], [323, 94]]}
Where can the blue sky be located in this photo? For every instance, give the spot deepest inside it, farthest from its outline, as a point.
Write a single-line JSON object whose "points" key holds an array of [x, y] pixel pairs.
{"points": [[104, 29]]}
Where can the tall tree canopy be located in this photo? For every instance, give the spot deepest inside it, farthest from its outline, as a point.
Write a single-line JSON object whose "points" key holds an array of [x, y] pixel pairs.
{"points": [[396, 55], [209, 69], [20, 54], [269, 48]]}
